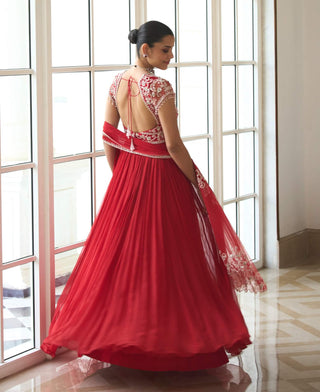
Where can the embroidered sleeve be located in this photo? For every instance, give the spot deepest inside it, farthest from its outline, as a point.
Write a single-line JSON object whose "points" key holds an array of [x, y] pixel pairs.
{"points": [[160, 90], [113, 90]]}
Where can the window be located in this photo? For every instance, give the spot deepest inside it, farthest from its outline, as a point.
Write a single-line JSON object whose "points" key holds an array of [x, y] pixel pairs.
{"points": [[240, 119], [56, 66], [18, 182], [81, 77], [188, 73], [204, 69]]}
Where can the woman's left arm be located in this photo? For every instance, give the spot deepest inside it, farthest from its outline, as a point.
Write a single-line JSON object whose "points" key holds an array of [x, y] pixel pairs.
{"points": [[112, 117]]}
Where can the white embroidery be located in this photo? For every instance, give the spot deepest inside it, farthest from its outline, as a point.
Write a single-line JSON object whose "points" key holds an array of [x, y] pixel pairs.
{"points": [[155, 92], [153, 136], [244, 275], [200, 179], [116, 145]]}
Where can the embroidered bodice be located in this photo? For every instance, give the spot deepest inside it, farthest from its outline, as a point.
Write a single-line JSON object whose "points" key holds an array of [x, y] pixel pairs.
{"points": [[154, 91]]}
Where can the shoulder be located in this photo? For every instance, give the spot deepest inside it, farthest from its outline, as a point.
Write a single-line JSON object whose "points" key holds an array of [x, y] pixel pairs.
{"points": [[159, 83], [156, 87], [114, 88], [116, 80], [157, 91]]}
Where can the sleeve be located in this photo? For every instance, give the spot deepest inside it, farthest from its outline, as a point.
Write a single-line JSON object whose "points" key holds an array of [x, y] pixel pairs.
{"points": [[161, 90], [113, 91]]}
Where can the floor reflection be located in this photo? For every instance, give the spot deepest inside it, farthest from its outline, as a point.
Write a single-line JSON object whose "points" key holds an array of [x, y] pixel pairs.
{"points": [[86, 374], [284, 324]]}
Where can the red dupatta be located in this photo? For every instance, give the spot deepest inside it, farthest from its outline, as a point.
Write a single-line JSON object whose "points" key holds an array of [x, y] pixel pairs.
{"points": [[241, 269]]}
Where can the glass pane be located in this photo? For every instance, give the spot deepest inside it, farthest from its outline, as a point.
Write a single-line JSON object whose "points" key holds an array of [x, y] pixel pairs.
{"points": [[70, 32], [103, 82], [15, 119], [228, 98], [255, 97], [64, 264], [72, 202], [193, 30], [198, 149], [111, 28], [211, 160], [16, 215], [71, 113], [246, 163], [247, 226], [103, 177], [165, 13], [14, 34], [229, 167], [231, 211], [18, 310], [245, 30], [227, 30], [245, 96], [193, 101]]}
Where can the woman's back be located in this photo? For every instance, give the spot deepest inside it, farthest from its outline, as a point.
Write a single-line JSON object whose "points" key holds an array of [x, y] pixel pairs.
{"points": [[138, 97]]}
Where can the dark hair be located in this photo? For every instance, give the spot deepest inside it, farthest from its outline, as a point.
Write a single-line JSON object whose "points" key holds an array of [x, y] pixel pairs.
{"points": [[149, 33]]}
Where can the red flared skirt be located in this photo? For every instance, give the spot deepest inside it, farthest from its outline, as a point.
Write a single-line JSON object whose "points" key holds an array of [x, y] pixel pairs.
{"points": [[150, 290]]}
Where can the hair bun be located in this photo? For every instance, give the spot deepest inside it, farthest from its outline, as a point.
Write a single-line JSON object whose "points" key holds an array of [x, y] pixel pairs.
{"points": [[133, 36]]}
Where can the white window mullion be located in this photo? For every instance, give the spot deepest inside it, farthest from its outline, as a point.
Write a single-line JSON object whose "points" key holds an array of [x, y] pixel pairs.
{"points": [[217, 101], [41, 85], [22, 166], [258, 102], [69, 247], [50, 280], [140, 13], [15, 72], [93, 117]]}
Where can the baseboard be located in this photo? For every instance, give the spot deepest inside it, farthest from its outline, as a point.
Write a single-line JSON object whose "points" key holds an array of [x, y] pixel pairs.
{"points": [[300, 248], [314, 243]]}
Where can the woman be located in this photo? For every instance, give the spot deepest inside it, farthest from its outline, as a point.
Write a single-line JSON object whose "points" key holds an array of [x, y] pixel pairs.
{"points": [[151, 289]]}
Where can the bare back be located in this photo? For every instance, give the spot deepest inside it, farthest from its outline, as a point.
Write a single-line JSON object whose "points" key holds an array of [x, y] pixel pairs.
{"points": [[131, 106], [138, 97]]}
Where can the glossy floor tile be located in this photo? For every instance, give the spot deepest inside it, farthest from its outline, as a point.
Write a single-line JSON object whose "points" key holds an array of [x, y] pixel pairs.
{"points": [[284, 324]]}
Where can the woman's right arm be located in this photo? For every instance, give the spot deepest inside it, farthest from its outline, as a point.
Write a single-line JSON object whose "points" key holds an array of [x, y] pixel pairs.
{"points": [[174, 143], [112, 117]]}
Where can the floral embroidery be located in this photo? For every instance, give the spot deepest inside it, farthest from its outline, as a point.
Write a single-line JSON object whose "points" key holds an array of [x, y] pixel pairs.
{"points": [[242, 272], [114, 89], [155, 92], [153, 136], [112, 143]]}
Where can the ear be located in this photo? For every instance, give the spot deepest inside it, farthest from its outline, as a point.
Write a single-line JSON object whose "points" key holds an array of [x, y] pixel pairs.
{"points": [[144, 49]]}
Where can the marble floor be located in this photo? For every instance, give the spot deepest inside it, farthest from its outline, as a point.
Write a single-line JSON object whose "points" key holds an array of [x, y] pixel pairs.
{"points": [[284, 324]]}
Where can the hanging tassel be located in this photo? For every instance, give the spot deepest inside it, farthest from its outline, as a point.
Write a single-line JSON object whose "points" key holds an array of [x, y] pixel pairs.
{"points": [[132, 147]]}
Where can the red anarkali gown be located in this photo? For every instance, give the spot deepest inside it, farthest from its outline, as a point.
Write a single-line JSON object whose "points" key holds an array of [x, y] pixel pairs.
{"points": [[154, 286]]}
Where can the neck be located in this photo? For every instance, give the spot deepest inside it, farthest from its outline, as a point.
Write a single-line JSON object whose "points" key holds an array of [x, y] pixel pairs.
{"points": [[146, 67]]}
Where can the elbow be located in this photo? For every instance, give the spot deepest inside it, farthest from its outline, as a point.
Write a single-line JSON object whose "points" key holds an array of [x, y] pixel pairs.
{"points": [[174, 148]]}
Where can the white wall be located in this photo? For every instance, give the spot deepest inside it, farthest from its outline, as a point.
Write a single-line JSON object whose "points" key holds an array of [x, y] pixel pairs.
{"points": [[298, 114], [311, 105]]}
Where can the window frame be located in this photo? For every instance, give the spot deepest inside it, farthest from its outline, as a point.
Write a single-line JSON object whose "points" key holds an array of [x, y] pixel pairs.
{"points": [[257, 128]]}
